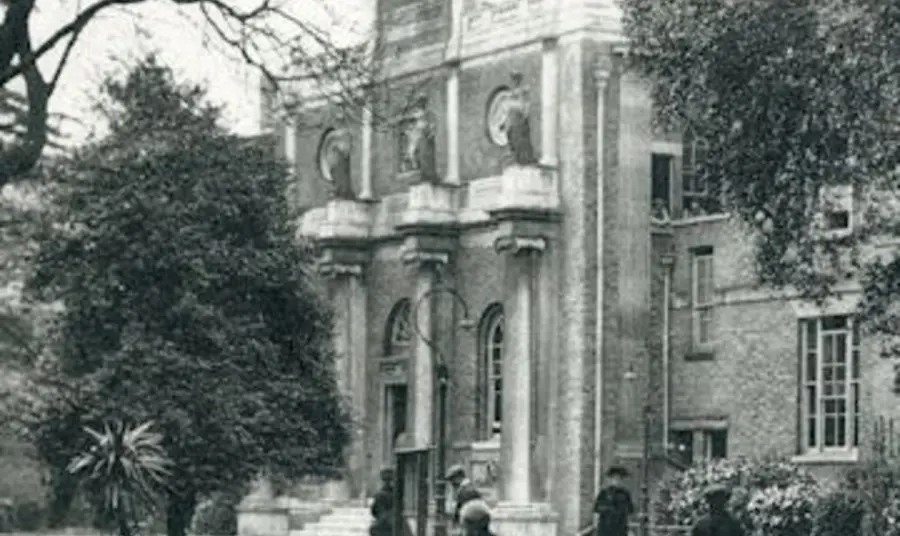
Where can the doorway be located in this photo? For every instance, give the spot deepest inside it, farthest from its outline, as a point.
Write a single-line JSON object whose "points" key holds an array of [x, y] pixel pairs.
{"points": [[396, 416]]}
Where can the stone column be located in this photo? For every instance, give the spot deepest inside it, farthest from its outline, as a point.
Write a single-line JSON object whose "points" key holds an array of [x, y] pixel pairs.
{"points": [[453, 123], [349, 298], [290, 143], [602, 71], [518, 512], [549, 103], [365, 164], [423, 317]]}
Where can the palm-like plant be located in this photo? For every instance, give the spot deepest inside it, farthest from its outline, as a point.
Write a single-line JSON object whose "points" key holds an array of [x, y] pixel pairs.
{"points": [[127, 466]]}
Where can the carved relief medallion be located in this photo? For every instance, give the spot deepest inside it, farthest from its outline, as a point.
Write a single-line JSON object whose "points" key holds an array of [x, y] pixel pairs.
{"points": [[497, 114]]}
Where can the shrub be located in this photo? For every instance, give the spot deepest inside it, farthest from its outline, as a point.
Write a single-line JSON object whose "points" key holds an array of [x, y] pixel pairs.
{"points": [[680, 499], [839, 513], [783, 511], [217, 516]]}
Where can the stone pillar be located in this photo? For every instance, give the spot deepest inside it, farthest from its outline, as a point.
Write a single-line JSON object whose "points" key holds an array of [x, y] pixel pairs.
{"points": [[365, 164], [602, 71], [423, 318], [290, 143], [349, 298], [549, 103], [518, 512], [634, 248], [453, 123]]}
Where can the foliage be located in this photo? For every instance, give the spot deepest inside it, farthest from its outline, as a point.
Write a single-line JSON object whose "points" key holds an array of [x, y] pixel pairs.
{"points": [[758, 489], [783, 510], [283, 44], [794, 97], [217, 516], [186, 301], [875, 481], [127, 466], [839, 513]]}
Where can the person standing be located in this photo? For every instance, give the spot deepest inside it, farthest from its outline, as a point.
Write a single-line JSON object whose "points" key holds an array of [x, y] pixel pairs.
{"points": [[718, 522], [613, 505], [475, 517], [463, 489], [383, 506]]}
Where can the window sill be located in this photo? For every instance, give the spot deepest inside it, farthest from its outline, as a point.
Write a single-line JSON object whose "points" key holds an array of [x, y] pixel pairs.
{"points": [[703, 354], [815, 458]]}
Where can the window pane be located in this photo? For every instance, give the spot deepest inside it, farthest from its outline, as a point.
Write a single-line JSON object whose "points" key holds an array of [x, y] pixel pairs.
{"points": [[718, 440], [811, 365], [854, 364], [827, 349], [811, 400], [811, 432], [830, 439], [812, 337], [841, 424], [840, 351]]}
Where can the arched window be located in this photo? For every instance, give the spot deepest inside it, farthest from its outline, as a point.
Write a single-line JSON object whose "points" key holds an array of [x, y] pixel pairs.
{"points": [[399, 332], [491, 353]]}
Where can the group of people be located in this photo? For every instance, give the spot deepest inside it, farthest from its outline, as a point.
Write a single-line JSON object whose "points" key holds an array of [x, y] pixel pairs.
{"points": [[471, 515], [613, 508]]}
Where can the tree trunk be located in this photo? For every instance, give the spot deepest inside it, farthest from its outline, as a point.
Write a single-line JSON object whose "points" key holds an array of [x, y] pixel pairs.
{"points": [[122, 521], [179, 511]]}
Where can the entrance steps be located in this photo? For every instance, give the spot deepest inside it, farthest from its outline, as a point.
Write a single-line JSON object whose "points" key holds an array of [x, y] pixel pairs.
{"points": [[339, 521]]}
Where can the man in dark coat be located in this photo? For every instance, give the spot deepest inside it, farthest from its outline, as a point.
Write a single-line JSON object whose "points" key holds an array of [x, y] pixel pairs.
{"points": [[718, 522], [613, 505], [475, 517], [383, 506], [463, 489]]}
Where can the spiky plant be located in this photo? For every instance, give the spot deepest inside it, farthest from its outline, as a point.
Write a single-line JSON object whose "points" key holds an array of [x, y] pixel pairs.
{"points": [[127, 466]]}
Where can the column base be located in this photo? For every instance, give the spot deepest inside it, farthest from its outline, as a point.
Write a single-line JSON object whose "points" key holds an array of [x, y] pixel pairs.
{"points": [[532, 519]]}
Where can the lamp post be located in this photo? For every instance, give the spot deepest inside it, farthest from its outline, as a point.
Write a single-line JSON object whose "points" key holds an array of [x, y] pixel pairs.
{"points": [[442, 373], [646, 413]]}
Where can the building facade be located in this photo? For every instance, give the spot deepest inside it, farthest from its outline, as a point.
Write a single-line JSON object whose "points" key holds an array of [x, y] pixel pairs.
{"points": [[572, 299]]}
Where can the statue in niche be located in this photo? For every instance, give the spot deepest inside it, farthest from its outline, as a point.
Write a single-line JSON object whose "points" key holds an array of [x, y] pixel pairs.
{"points": [[336, 164], [518, 126], [418, 149]]}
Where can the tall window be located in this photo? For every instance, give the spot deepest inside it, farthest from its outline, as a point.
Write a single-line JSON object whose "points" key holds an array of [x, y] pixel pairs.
{"points": [[698, 199], [661, 183], [830, 373], [399, 332], [702, 296], [491, 356]]}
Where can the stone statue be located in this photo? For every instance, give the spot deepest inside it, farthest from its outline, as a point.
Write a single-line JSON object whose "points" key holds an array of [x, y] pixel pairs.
{"points": [[419, 149], [337, 158], [518, 127]]}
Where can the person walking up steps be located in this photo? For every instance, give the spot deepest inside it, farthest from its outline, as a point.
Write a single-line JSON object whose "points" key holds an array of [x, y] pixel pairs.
{"points": [[613, 504]]}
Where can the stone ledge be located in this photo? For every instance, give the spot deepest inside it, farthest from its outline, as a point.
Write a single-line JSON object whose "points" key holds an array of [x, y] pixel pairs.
{"points": [[528, 512]]}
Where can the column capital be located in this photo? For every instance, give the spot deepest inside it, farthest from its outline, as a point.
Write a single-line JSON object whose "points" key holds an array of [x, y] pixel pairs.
{"points": [[416, 257], [518, 244]]}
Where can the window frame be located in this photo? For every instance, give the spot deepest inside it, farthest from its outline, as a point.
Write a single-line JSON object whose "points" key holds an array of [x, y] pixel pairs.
{"points": [[812, 387], [834, 199], [698, 308], [491, 352]]}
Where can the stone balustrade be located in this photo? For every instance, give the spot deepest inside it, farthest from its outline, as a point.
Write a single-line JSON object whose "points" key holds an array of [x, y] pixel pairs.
{"points": [[527, 189]]}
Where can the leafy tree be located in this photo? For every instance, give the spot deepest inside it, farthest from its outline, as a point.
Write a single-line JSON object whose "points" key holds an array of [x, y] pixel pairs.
{"points": [[796, 98], [282, 45], [186, 300]]}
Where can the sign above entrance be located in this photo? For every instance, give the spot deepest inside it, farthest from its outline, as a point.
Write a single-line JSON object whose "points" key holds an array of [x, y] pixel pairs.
{"points": [[481, 15]]}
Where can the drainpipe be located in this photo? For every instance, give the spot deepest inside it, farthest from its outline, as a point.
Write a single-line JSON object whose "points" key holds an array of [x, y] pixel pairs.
{"points": [[668, 262]]}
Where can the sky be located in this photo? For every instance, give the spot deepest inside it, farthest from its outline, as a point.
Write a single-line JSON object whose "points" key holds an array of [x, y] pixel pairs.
{"points": [[182, 40]]}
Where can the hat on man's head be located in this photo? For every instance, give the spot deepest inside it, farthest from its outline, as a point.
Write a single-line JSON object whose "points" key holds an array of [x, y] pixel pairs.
{"points": [[475, 511], [455, 471], [617, 471], [717, 492], [386, 473]]}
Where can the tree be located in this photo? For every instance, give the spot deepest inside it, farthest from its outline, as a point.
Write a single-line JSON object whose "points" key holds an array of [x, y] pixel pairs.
{"points": [[797, 99], [186, 300], [284, 47]]}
